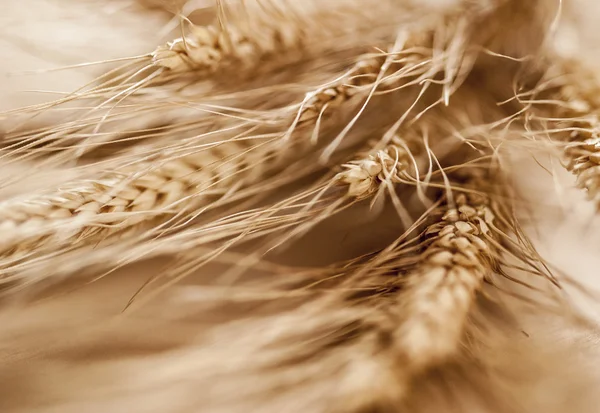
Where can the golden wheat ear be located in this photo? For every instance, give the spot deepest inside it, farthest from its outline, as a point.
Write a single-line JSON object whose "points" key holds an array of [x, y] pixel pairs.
{"points": [[440, 291], [247, 35], [566, 103], [466, 244], [405, 314]]}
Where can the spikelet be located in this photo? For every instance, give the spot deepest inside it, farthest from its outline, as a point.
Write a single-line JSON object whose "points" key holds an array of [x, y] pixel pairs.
{"points": [[416, 57], [365, 175], [583, 152]]}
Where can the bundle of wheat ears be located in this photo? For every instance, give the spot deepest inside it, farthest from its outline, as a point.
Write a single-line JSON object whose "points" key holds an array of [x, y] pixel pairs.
{"points": [[298, 206]]}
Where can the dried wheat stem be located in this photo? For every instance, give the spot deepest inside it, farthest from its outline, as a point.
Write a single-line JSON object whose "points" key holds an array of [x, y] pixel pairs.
{"points": [[441, 291]]}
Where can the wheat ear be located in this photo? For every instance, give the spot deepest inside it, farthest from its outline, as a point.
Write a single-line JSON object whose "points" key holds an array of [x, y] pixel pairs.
{"points": [[118, 200], [94, 210], [206, 49], [441, 291], [430, 312], [253, 35], [583, 151], [572, 94]]}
